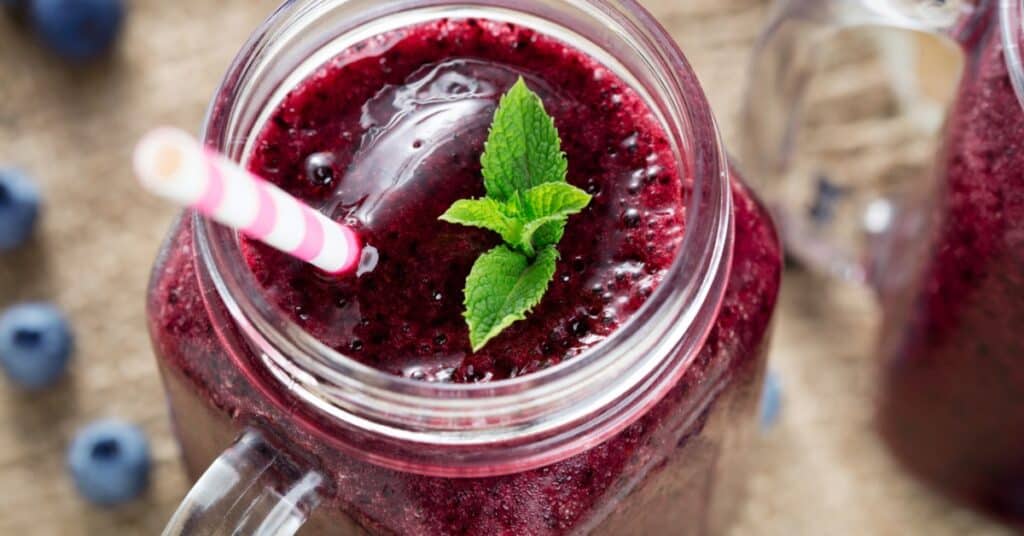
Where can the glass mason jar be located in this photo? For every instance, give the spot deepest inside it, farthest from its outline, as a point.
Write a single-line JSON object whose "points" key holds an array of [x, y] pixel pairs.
{"points": [[644, 433], [946, 257]]}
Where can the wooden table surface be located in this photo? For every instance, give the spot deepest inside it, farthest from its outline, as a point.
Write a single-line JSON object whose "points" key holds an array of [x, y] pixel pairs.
{"points": [[822, 470]]}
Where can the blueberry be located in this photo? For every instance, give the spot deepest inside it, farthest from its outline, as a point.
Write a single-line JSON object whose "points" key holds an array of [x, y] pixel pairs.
{"points": [[827, 195], [35, 344], [109, 462], [771, 400], [19, 208], [77, 29]]}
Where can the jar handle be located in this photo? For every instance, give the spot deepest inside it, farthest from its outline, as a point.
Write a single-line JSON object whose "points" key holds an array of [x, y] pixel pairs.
{"points": [[806, 207], [251, 489]]}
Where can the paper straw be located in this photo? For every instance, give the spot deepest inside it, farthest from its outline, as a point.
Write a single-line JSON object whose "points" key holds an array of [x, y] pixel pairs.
{"points": [[174, 165]]}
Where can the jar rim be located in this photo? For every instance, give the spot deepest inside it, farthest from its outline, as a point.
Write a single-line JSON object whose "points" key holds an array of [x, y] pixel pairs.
{"points": [[1011, 24], [537, 418]]}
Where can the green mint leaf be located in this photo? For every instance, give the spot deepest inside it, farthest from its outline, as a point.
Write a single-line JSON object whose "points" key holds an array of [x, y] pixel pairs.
{"points": [[485, 213], [554, 199], [547, 207], [549, 234], [503, 286], [523, 149], [553, 228], [528, 203]]}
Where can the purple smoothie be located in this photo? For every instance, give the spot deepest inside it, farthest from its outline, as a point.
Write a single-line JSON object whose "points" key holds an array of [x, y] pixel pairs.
{"points": [[392, 153], [952, 405], [385, 137]]}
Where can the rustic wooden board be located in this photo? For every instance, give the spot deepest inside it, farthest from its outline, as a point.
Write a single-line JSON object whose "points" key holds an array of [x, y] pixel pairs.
{"points": [[822, 471]]}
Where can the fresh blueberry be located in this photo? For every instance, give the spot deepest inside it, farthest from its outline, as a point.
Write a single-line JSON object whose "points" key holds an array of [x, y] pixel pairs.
{"points": [[771, 400], [19, 208], [77, 29], [35, 344], [109, 462], [827, 195]]}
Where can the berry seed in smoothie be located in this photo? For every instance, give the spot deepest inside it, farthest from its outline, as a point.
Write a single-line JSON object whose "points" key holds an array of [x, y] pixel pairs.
{"points": [[388, 135]]}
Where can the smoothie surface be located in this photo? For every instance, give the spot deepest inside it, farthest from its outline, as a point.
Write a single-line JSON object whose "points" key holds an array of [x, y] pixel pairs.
{"points": [[388, 134]]}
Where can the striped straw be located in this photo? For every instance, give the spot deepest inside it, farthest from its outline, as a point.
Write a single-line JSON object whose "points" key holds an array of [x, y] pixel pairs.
{"points": [[174, 165]]}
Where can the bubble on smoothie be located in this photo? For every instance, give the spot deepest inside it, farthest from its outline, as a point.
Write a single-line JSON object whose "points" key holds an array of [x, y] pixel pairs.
{"points": [[368, 260], [429, 373], [636, 181], [630, 143], [631, 217], [320, 168]]}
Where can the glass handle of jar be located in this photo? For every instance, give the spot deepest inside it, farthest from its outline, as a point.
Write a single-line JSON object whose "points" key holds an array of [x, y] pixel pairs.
{"points": [[250, 489], [826, 226]]}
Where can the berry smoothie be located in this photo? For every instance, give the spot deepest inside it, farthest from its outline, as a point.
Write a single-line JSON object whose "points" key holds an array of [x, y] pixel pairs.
{"points": [[390, 154], [385, 137], [952, 407]]}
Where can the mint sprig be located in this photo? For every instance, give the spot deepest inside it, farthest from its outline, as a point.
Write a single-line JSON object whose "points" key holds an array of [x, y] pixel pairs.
{"points": [[502, 287], [528, 203]]}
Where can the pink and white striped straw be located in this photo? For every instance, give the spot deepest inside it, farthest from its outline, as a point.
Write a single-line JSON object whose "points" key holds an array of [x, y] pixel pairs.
{"points": [[176, 166]]}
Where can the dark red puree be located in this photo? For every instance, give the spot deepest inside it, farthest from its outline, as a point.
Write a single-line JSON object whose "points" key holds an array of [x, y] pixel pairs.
{"points": [[389, 134], [953, 404]]}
